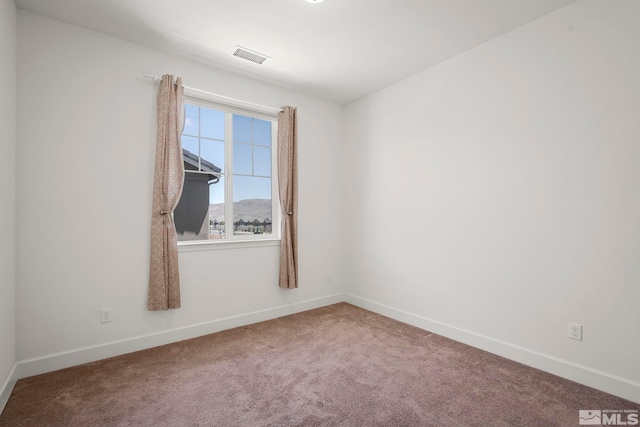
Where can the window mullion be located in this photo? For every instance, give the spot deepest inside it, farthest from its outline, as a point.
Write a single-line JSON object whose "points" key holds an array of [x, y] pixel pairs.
{"points": [[276, 210], [253, 160], [228, 174]]}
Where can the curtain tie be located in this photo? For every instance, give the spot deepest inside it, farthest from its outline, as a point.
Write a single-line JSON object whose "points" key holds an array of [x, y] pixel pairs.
{"points": [[164, 212], [289, 213]]}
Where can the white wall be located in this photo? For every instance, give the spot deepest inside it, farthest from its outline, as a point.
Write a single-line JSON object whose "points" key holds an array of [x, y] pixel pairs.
{"points": [[86, 132], [8, 33], [496, 193], [499, 192]]}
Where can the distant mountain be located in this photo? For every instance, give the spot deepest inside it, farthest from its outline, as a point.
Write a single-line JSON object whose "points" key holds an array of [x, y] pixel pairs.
{"points": [[247, 210]]}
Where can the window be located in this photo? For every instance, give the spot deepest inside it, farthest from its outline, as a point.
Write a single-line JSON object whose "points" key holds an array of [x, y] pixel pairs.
{"points": [[229, 186]]}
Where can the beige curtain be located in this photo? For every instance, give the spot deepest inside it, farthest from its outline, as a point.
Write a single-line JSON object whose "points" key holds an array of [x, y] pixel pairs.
{"points": [[288, 190], [164, 277]]}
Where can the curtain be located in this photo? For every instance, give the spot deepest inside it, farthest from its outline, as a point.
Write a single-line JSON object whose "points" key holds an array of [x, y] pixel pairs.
{"points": [[164, 277], [288, 191]]}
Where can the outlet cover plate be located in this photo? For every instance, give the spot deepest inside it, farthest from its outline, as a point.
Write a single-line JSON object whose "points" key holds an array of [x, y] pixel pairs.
{"points": [[575, 331], [105, 315]]}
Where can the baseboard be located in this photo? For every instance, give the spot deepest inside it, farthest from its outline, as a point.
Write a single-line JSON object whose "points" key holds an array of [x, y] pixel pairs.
{"points": [[585, 375], [603, 381], [7, 387], [54, 362]]}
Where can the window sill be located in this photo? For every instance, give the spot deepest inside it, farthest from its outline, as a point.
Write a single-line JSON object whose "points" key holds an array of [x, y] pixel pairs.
{"points": [[208, 245]]}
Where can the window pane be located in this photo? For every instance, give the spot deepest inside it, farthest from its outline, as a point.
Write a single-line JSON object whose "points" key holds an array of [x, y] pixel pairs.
{"points": [[261, 161], [216, 192], [252, 205], [213, 151], [242, 129], [216, 210], [261, 132], [242, 162], [191, 123], [212, 124], [190, 144], [201, 211], [251, 187]]}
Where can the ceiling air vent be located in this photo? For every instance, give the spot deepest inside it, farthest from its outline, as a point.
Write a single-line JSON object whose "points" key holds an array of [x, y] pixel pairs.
{"points": [[250, 55]]}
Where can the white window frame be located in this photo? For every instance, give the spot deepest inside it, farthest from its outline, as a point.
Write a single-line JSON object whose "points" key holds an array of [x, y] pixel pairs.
{"points": [[231, 240]]}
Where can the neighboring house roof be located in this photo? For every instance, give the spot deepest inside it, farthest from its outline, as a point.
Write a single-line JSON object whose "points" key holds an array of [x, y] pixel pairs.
{"points": [[249, 220], [191, 159]]}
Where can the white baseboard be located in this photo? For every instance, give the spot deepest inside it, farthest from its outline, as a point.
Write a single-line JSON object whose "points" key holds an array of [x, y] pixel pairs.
{"points": [[603, 381], [585, 375], [7, 387], [54, 362]]}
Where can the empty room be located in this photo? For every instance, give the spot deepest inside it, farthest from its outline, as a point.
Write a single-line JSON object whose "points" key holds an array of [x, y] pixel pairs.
{"points": [[319, 213]]}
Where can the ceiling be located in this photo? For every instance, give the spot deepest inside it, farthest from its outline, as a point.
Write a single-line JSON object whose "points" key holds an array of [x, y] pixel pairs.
{"points": [[338, 50]]}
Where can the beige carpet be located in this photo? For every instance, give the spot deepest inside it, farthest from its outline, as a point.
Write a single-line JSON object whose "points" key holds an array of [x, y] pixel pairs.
{"points": [[335, 366]]}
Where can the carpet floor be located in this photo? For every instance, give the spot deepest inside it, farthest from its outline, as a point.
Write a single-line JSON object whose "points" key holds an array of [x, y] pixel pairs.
{"points": [[334, 366]]}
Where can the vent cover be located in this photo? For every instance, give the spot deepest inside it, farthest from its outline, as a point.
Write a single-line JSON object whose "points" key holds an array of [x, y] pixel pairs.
{"points": [[250, 55]]}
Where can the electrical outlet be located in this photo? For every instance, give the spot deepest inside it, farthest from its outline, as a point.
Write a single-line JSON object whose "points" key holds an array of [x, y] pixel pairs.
{"points": [[105, 315], [330, 279], [575, 331]]}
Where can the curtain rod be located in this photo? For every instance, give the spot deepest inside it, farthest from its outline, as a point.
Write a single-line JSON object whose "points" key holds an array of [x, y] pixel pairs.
{"points": [[208, 96]]}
